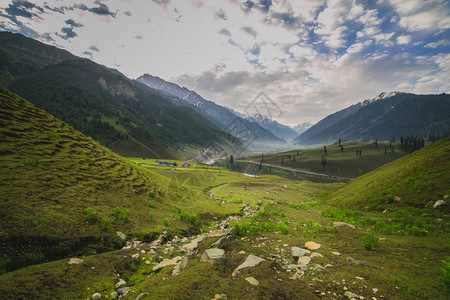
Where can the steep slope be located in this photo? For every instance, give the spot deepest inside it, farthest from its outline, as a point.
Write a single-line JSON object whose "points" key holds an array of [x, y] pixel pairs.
{"points": [[121, 114], [418, 179], [64, 194], [223, 117], [388, 115]]}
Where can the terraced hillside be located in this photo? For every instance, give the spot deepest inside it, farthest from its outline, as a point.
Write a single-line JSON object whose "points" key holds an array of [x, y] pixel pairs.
{"points": [[62, 193]]}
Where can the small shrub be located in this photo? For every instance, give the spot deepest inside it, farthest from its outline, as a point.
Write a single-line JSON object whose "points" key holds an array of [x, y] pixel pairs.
{"points": [[445, 270], [151, 216], [91, 214], [159, 199], [151, 194], [88, 160], [106, 225], [166, 222], [53, 135], [370, 241], [32, 162], [282, 227], [121, 214]]}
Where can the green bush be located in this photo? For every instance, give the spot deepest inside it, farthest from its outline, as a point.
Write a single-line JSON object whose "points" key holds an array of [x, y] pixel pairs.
{"points": [[151, 194], [91, 214], [370, 241], [32, 162], [282, 227], [120, 214], [445, 270], [106, 225], [151, 216], [166, 222]]}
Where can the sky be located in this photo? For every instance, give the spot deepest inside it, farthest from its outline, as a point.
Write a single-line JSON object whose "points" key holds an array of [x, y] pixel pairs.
{"points": [[310, 57]]}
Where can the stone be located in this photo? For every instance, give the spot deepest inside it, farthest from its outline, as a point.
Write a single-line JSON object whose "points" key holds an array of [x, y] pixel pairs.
{"points": [[328, 266], [220, 297], [250, 261], [359, 277], [141, 295], [318, 268], [357, 262], [121, 235], [115, 295], [189, 247], [315, 254], [168, 251], [143, 251], [336, 253], [297, 275], [304, 260], [350, 295], [227, 239], [213, 256], [301, 267], [167, 262], [182, 265], [299, 252], [219, 233], [343, 224], [75, 261], [123, 291], [147, 262], [96, 296], [120, 284], [312, 246], [242, 252], [135, 255], [252, 281], [439, 203]]}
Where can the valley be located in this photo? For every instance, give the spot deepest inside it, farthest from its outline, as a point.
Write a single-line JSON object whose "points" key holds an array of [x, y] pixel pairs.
{"points": [[79, 221]]}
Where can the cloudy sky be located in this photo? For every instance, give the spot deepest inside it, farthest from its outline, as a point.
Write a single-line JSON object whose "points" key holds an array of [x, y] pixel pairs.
{"points": [[311, 57]]}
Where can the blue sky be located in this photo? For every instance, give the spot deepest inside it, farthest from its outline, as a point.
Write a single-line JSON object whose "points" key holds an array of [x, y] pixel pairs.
{"points": [[311, 57]]}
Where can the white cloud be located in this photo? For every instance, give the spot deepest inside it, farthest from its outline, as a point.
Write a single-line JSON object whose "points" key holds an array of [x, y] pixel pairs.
{"points": [[403, 39], [438, 44]]}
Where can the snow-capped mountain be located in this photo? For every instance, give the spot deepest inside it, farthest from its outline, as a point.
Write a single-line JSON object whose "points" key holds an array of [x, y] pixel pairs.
{"points": [[302, 127], [280, 130]]}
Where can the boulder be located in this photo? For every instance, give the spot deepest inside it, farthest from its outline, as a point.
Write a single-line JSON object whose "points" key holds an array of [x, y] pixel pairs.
{"points": [[122, 283], [252, 281], [96, 296], [439, 203], [185, 263], [167, 262], [225, 240], [213, 256], [312, 246], [250, 261], [299, 252], [75, 261]]}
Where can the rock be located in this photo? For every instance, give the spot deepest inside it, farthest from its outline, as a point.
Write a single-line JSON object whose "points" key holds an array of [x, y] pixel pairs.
{"points": [[143, 251], [350, 295], [439, 203], [147, 262], [167, 262], [115, 295], [168, 251], [301, 267], [343, 224], [299, 252], [328, 266], [336, 253], [120, 284], [297, 275], [123, 291], [182, 265], [252, 281], [213, 256], [312, 246], [141, 295], [75, 261], [357, 262], [219, 233], [135, 255], [304, 260], [315, 254], [220, 297], [250, 261], [96, 296], [189, 247], [318, 268], [242, 252], [227, 239], [359, 278], [121, 235]]}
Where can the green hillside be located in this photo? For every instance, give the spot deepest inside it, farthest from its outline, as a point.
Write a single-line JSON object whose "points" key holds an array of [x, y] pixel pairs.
{"points": [[64, 194], [418, 179]]}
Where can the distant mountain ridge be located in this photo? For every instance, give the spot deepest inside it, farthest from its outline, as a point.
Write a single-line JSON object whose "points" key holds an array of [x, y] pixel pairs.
{"points": [[223, 117], [302, 127], [386, 116]]}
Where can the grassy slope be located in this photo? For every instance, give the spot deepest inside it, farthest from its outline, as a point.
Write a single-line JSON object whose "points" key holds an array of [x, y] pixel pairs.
{"points": [[419, 179], [51, 173]]}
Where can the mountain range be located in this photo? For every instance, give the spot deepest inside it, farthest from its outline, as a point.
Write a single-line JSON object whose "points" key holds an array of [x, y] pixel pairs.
{"points": [[385, 117]]}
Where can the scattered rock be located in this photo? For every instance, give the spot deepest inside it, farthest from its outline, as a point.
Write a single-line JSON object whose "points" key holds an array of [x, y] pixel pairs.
{"points": [[96, 296], [350, 295], [147, 262], [312, 246], [252, 281], [115, 295], [328, 266], [250, 261], [123, 291], [315, 254], [135, 255], [220, 297], [318, 268], [357, 262], [299, 252], [167, 262], [213, 256], [300, 267], [218, 233], [189, 247], [359, 277], [120, 284], [242, 252], [143, 251], [225, 240], [121, 235], [75, 261], [297, 275], [168, 251], [439, 203], [304, 260], [343, 224], [336, 253], [185, 263], [141, 295]]}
